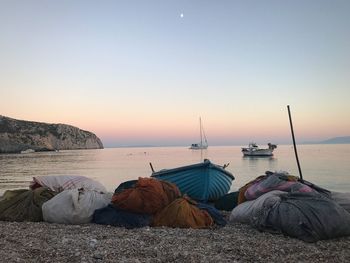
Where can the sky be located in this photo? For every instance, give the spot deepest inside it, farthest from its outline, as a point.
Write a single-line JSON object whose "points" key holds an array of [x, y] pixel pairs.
{"points": [[143, 72]]}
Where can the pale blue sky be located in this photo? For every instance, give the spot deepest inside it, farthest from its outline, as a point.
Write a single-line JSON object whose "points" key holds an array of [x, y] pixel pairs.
{"points": [[136, 72]]}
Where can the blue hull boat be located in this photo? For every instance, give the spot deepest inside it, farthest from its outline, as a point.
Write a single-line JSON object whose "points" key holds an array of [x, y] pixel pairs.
{"points": [[203, 181]]}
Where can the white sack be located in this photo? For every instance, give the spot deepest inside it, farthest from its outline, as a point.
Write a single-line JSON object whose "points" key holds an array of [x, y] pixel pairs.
{"points": [[59, 183], [74, 206]]}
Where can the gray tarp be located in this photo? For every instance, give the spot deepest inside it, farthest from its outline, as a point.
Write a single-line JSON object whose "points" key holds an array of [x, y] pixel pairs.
{"points": [[342, 199], [252, 212], [307, 216]]}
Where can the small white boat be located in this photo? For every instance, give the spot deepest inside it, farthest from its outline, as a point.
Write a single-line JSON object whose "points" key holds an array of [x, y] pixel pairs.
{"points": [[203, 144], [254, 150], [28, 151]]}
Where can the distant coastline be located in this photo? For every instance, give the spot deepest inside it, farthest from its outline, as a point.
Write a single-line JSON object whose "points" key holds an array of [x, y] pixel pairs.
{"points": [[334, 140], [20, 136]]}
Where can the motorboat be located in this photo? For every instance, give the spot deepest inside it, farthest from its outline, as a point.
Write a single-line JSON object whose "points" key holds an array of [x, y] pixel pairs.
{"points": [[254, 150], [28, 151]]}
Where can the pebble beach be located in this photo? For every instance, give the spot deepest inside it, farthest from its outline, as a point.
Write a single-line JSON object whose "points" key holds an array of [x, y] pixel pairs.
{"points": [[47, 242]]}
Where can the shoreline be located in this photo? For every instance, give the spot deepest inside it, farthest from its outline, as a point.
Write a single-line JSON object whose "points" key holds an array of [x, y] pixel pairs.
{"points": [[48, 242]]}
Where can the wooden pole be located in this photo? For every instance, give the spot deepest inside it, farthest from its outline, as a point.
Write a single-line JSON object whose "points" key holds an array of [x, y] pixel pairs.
{"points": [[150, 164], [295, 147]]}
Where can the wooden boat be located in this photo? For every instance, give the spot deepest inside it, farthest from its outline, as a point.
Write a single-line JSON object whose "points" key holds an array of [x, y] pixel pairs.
{"points": [[203, 181], [203, 144], [28, 151], [254, 150]]}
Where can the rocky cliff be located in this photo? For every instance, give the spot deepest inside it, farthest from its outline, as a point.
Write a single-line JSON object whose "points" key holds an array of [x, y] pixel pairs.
{"points": [[18, 135]]}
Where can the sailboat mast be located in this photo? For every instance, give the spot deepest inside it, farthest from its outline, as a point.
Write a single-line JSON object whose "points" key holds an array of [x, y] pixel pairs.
{"points": [[200, 130], [205, 137]]}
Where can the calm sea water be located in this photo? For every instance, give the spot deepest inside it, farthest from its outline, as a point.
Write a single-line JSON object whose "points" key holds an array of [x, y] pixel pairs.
{"points": [[325, 165]]}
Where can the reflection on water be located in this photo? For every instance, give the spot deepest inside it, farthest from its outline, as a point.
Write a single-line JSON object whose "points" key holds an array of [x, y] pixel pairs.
{"points": [[258, 163], [255, 159], [325, 165], [199, 154]]}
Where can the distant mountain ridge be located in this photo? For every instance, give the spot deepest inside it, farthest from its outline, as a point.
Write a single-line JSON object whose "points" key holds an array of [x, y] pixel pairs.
{"points": [[335, 140], [20, 135]]}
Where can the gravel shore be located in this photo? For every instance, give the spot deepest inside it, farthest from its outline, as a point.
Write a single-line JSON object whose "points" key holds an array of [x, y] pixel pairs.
{"points": [[46, 242]]}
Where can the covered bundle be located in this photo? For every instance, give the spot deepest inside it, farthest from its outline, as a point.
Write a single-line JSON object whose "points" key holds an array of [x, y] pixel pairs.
{"points": [[110, 215], [254, 211], [183, 213], [342, 199], [306, 216], [275, 181], [74, 206], [24, 205], [309, 217], [125, 185], [215, 214], [227, 202], [148, 196], [59, 183], [241, 193]]}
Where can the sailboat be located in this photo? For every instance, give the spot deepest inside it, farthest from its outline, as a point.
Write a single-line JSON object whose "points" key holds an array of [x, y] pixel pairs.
{"points": [[203, 144]]}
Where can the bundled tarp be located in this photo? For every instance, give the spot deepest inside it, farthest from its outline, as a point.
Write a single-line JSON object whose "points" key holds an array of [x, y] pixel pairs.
{"points": [[148, 196], [182, 213], [215, 214], [74, 206], [241, 195], [252, 212], [307, 216], [227, 202], [59, 183], [125, 185], [24, 205], [113, 216], [276, 181], [342, 199]]}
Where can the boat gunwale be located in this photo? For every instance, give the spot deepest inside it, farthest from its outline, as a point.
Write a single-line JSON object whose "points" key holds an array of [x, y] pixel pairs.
{"points": [[210, 165], [258, 155]]}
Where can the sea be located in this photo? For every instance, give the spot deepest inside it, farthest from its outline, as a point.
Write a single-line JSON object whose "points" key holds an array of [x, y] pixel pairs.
{"points": [[326, 165]]}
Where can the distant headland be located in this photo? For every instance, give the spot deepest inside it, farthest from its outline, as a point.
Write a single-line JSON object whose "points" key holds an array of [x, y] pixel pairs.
{"points": [[18, 135], [335, 140]]}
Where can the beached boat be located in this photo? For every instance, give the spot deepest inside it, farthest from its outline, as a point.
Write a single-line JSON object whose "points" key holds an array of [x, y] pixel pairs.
{"points": [[254, 150], [28, 151], [203, 181], [203, 144]]}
